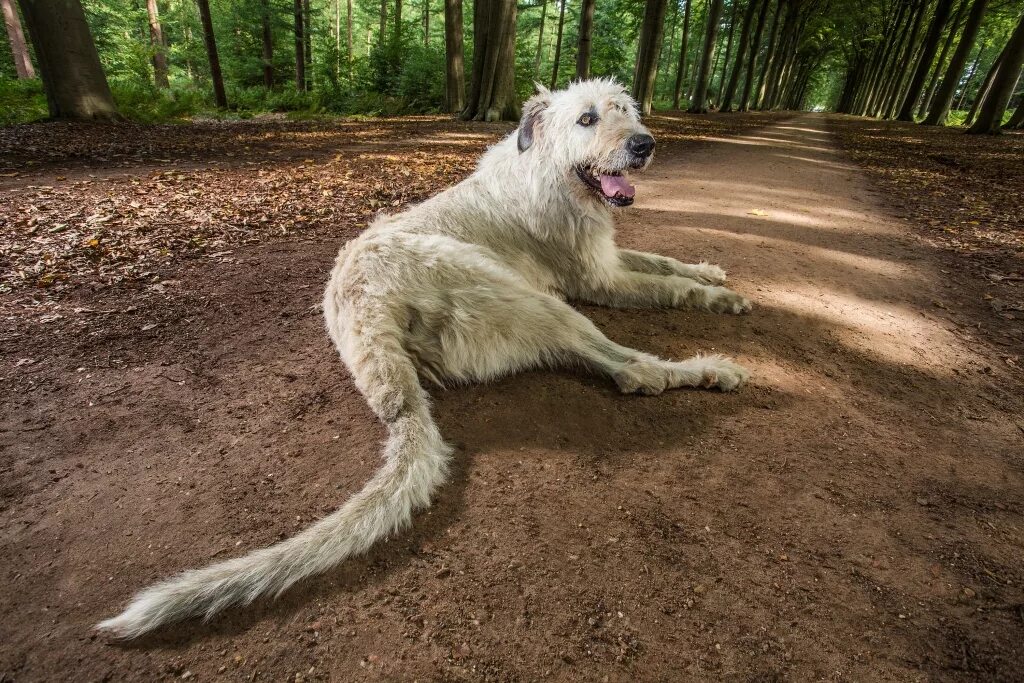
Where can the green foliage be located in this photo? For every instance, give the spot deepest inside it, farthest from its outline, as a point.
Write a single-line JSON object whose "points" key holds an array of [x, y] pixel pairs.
{"points": [[21, 101]]}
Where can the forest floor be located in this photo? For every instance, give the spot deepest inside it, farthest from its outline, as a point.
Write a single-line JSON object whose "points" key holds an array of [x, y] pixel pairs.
{"points": [[855, 513]]}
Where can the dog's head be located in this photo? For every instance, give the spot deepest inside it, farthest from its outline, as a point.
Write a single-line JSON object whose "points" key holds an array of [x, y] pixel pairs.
{"points": [[591, 132]]}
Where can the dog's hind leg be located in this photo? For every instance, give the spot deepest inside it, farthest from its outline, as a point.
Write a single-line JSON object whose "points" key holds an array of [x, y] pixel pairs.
{"points": [[492, 331], [656, 264]]}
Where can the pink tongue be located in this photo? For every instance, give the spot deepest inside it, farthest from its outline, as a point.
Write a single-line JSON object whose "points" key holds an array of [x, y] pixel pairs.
{"points": [[616, 184]]}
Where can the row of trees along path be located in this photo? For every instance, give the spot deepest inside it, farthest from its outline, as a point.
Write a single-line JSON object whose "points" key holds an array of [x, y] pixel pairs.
{"points": [[900, 59]]}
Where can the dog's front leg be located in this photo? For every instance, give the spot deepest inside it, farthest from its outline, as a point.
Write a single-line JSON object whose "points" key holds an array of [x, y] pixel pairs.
{"points": [[629, 289], [656, 264]]}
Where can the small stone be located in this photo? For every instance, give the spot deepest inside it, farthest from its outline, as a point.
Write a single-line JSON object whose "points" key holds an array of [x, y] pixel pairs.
{"points": [[969, 593], [923, 502]]}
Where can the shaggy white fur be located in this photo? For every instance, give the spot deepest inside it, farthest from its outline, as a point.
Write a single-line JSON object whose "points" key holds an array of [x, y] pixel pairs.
{"points": [[468, 286]]}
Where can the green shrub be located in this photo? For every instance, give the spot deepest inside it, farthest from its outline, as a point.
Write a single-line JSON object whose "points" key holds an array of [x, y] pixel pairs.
{"points": [[22, 101]]}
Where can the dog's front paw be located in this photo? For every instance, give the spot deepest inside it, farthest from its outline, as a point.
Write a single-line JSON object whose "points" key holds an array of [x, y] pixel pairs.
{"points": [[642, 376], [706, 273], [718, 372], [722, 300]]}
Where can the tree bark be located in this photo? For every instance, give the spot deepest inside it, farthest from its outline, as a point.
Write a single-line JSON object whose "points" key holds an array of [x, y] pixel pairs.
{"points": [[156, 41], [426, 23], [558, 44], [76, 87], [646, 72], [540, 39], [383, 21], [902, 59], [211, 54], [983, 90], [681, 68], [398, 23], [307, 46], [972, 71], [698, 102], [990, 117], [741, 55], [586, 35], [1017, 120], [770, 54], [19, 48], [781, 57], [268, 48], [300, 48], [492, 88], [348, 29], [755, 48], [938, 69], [728, 49], [455, 79], [944, 95], [931, 45]]}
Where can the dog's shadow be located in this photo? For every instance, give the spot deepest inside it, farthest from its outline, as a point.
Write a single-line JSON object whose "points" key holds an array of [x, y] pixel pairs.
{"points": [[537, 413]]}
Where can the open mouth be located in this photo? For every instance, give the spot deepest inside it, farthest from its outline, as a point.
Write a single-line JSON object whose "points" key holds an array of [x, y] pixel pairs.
{"points": [[612, 186]]}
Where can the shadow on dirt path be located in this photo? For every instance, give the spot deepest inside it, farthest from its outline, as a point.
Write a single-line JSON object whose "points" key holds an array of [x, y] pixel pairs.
{"points": [[853, 514]]}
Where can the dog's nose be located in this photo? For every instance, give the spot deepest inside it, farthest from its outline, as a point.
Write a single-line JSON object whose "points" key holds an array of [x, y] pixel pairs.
{"points": [[640, 145]]}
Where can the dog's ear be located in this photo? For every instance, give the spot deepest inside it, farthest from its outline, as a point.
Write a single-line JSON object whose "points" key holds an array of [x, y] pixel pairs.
{"points": [[531, 115]]}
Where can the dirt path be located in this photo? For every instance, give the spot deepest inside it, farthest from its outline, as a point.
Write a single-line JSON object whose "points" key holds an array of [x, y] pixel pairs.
{"points": [[856, 513]]}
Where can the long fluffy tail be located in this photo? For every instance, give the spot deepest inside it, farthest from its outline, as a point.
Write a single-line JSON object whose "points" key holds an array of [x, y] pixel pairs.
{"points": [[416, 460]]}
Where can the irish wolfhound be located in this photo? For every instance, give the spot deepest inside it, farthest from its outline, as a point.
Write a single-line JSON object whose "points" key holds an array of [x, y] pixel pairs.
{"points": [[468, 286]]}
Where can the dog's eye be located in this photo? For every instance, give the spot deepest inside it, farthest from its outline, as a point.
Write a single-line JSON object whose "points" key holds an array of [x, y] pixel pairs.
{"points": [[587, 119]]}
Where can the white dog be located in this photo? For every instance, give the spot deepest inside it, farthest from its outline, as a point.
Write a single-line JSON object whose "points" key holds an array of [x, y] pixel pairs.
{"points": [[469, 286]]}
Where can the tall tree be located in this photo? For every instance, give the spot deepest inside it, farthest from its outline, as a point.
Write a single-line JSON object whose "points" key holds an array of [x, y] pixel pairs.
{"points": [[540, 38], [983, 90], [748, 82], [268, 47], [940, 63], [307, 44], [677, 91], [19, 49], [728, 49], [492, 93], [383, 21], [76, 87], [944, 95], [991, 115], [928, 50], [698, 102], [219, 95], [585, 37], [741, 55], [426, 23], [769, 55], [159, 45], [558, 44], [300, 48], [398, 23], [647, 57], [1017, 120], [455, 79]]}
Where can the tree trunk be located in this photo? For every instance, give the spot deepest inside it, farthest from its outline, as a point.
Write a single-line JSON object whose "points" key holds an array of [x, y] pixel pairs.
{"points": [[492, 88], [728, 49], [398, 23], [647, 58], [383, 21], [211, 54], [1017, 120], [990, 117], [741, 55], [698, 103], [938, 69], [558, 44], [22, 61], [540, 39], [76, 87], [902, 59], [586, 35], [972, 71], [300, 48], [348, 30], [769, 55], [156, 40], [781, 57], [931, 45], [944, 95], [268, 48], [755, 48], [983, 90], [455, 79], [307, 45], [681, 68], [426, 23]]}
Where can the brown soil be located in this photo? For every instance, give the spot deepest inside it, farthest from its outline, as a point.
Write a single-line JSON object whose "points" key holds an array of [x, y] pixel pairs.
{"points": [[855, 513]]}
